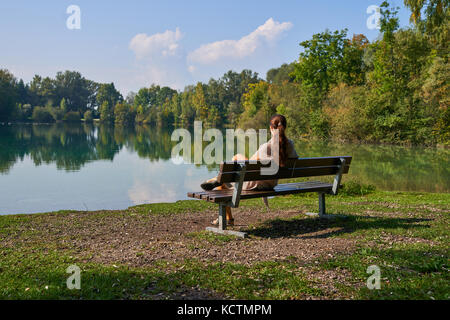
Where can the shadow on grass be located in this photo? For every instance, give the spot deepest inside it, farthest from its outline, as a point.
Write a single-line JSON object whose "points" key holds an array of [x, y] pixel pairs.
{"points": [[281, 228]]}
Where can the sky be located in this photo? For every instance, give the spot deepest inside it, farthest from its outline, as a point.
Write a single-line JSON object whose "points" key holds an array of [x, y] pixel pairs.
{"points": [[175, 43]]}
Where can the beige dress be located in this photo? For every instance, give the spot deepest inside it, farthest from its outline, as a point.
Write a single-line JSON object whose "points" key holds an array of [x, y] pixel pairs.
{"points": [[264, 153]]}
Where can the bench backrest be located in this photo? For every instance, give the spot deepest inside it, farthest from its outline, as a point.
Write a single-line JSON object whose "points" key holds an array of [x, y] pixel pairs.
{"points": [[295, 168]]}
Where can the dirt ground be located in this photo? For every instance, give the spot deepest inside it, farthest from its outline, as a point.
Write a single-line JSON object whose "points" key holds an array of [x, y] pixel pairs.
{"points": [[138, 242]]}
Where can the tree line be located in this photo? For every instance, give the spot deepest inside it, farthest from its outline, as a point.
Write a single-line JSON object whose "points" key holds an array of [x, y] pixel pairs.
{"points": [[392, 90]]}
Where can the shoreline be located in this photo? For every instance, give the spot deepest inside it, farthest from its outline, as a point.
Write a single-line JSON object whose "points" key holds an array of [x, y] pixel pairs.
{"points": [[161, 251]]}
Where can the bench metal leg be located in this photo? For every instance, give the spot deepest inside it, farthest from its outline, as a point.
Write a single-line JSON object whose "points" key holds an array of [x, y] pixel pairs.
{"points": [[222, 217], [322, 211], [321, 204], [222, 229]]}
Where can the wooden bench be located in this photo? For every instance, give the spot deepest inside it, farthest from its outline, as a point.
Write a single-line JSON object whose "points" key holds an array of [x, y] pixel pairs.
{"points": [[241, 171]]}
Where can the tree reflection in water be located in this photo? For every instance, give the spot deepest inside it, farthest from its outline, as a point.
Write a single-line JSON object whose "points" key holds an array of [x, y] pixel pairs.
{"points": [[71, 146]]}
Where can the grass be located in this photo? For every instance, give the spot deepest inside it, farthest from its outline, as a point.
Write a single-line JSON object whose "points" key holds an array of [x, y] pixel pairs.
{"points": [[405, 234], [414, 271]]}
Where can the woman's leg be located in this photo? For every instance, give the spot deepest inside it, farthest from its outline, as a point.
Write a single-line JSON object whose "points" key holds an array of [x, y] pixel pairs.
{"points": [[212, 181], [237, 157]]}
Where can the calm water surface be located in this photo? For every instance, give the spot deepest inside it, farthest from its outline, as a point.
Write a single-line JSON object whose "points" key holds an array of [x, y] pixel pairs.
{"points": [[86, 167]]}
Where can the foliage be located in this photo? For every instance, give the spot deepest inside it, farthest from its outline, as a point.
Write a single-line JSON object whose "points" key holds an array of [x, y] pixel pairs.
{"points": [[353, 188], [281, 74], [124, 114], [330, 58], [393, 90], [72, 116], [257, 106], [106, 112], [7, 94], [42, 115], [344, 107], [63, 105], [57, 113], [108, 93], [88, 116]]}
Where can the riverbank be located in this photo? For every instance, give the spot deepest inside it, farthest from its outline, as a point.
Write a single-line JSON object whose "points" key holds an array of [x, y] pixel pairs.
{"points": [[160, 251]]}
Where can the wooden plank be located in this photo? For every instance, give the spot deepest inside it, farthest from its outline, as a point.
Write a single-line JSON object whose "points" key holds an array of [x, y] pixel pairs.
{"points": [[217, 194], [284, 173], [291, 163], [279, 190]]}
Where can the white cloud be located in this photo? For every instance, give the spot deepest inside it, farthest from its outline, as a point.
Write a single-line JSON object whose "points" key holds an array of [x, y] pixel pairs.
{"points": [[159, 60], [210, 53], [143, 192], [163, 44]]}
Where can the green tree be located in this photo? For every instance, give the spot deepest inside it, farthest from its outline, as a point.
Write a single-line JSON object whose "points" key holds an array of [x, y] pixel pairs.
{"points": [[88, 116], [63, 105], [8, 95], [42, 115], [281, 74], [322, 62], [108, 93], [124, 114], [72, 86], [257, 106], [199, 103], [72, 116], [106, 112], [436, 11]]}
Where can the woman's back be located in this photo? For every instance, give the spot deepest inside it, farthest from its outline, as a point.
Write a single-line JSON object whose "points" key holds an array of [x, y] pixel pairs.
{"points": [[265, 153]]}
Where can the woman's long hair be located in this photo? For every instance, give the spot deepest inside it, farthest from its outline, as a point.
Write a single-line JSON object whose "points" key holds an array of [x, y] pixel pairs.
{"points": [[279, 122]]}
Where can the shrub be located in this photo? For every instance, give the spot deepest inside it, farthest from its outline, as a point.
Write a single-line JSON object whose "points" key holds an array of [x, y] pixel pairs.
{"points": [[17, 113], [72, 116], [124, 114], [42, 115], [106, 112], [344, 106], [27, 111], [353, 188], [88, 116], [320, 125], [57, 113]]}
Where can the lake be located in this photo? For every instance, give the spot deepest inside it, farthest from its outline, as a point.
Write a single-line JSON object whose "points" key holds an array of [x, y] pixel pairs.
{"points": [[90, 167]]}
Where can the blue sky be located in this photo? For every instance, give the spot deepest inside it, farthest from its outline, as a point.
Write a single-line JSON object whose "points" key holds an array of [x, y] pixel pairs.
{"points": [[136, 43]]}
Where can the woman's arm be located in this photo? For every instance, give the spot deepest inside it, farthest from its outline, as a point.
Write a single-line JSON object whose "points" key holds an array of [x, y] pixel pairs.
{"points": [[262, 152]]}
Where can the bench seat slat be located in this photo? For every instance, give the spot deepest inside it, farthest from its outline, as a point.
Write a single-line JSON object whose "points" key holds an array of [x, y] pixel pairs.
{"points": [[203, 194], [218, 196]]}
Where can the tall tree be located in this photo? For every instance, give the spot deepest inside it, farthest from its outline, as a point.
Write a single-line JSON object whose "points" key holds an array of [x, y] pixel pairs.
{"points": [[8, 95], [72, 86], [199, 103], [281, 74], [108, 93], [329, 58]]}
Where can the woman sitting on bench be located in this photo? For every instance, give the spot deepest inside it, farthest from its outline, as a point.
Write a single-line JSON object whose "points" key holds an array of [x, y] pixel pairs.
{"points": [[286, 151]]}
